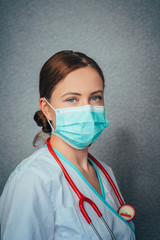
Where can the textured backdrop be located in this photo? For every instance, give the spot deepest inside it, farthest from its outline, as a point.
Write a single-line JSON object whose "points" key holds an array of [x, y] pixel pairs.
{"points": [[123, 37]]}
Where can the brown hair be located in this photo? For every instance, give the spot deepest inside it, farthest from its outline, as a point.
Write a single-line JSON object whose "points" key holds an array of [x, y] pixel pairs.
{"points": [[53, 71]]}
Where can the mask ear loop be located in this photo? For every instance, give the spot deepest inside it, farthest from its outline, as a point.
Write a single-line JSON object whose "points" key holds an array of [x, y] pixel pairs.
{"points": [[53, 109]]}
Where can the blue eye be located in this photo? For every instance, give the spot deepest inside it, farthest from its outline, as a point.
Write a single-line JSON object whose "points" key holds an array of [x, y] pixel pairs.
{"points": [[96, 98], [71, 100]]}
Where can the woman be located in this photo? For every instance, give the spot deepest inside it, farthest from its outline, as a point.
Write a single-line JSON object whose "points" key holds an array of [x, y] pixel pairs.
{"points": [[38, 202]]}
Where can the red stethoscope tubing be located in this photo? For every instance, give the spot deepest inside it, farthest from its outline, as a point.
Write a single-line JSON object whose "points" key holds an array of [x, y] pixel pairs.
{"points": [[81, 197], [108, 177]]}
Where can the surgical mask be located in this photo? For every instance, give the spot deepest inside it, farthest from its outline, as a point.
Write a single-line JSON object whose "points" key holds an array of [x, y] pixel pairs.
{"points": [[79, 126]]}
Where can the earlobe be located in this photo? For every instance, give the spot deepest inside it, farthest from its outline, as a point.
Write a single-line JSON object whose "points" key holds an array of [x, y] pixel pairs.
{"points": [[45, 108]]}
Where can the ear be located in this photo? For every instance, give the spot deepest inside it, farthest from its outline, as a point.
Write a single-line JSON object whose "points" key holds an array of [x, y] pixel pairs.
{"points": [[46, 109]]}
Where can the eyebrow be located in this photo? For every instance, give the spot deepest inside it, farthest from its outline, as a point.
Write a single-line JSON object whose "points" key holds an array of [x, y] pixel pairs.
{"points": [[74, 93], [99, 91]]}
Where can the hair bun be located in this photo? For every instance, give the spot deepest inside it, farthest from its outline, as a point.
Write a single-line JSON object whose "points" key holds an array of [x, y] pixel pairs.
{"points": [[41, 121]]}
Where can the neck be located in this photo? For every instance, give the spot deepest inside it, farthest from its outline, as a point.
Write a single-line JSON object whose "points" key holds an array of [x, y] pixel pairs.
{"points": [[78, 157]]}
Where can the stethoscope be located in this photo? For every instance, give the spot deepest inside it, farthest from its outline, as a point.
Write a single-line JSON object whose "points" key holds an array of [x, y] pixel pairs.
{"points": [[126, 211]]}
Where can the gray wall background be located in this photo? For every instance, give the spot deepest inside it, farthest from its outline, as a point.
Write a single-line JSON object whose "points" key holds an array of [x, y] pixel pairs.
{"points": [[123, 37]]}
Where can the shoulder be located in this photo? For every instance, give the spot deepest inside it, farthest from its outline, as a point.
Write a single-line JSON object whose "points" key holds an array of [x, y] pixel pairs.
{"points": [[37, 175], [39, 166], [26, 196]]}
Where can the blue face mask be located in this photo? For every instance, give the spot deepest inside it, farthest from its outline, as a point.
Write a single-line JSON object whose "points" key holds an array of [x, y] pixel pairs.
{"points": [[79, 126]]}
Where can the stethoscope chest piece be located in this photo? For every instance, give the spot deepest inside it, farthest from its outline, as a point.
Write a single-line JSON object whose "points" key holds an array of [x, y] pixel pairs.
{"points": [[127, 212]]}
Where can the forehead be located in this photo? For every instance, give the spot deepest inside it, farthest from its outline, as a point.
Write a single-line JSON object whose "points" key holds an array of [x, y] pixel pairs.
{"points": [[80, 80]]}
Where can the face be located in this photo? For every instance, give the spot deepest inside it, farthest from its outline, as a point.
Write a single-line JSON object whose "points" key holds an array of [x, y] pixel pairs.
{"points": [[80, 87]]}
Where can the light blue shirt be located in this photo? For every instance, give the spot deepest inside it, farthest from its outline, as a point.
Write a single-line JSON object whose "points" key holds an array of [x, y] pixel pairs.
{"points": [[38, 203]]}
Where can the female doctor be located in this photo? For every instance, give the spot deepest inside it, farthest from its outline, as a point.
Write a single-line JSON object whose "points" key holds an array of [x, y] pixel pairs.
{"points": [[43, 197]]}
